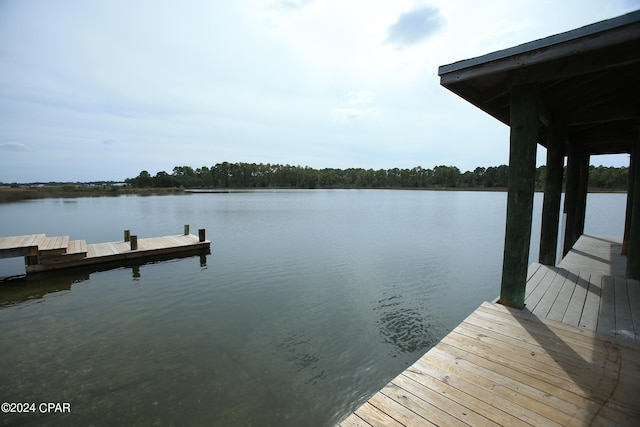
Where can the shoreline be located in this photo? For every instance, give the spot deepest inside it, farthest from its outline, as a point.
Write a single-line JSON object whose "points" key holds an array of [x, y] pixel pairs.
{"points": [[12, 194]]}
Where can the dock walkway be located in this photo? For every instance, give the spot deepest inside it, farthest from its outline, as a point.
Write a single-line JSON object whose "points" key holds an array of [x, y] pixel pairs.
{"points": [[570, 358], [44, 253]]}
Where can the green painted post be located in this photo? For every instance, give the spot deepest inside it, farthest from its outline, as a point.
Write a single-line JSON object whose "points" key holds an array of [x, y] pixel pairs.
{"points": [[552, 196], [575, 204], [525, 106], [629, 211], [633, 248], [571, 196], [583, 188]]}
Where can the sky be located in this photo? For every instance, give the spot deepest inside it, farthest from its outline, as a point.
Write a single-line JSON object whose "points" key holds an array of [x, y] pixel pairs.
{"points": [[101, 90]]}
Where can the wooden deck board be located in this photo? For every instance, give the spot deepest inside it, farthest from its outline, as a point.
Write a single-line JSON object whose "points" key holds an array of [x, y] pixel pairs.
{"points": [[561, 304], [548, 299], [77, 247], [606, 314], [464, 395], [54, 243], [574, 309], [633, 288], [624, 323], [571, 357], [535, 279], [541, 288], [589, 316], [16, 246]]}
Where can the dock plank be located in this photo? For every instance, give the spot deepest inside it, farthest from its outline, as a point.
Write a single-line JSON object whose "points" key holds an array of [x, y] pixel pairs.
{"points": [[534, 297], [606, 313], [561, 303], [535, 279], [548, 299], [461, 393], [624, 323], [633, 288], [355, 421], [77, 247], [575, 307], [589, 316], [16, 246], [428, 394]]}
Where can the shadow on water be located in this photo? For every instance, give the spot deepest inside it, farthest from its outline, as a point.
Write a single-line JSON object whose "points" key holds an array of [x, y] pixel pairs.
{"points": [[36, 286]]}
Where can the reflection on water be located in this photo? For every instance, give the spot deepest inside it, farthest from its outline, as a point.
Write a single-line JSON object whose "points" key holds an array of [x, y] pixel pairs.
{"points": [[35, 286], [309, 302]]}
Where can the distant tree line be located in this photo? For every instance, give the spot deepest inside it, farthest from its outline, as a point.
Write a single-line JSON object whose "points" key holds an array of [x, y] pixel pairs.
{"points": [[252, 175]]}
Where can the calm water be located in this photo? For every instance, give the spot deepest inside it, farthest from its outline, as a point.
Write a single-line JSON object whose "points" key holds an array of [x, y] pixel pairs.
{"points": [[309, 302]]}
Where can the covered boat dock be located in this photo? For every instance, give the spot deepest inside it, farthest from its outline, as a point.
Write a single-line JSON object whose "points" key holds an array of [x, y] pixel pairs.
{"points": [[561, 345]]}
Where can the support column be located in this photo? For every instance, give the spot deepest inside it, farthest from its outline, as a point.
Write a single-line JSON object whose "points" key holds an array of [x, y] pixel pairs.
{"points": [[552, 195], [575, 199], [583, 188], [627, 218], [525, 106], [633, 253]]}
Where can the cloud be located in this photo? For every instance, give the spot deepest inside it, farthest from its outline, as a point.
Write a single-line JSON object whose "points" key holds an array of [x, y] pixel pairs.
{"points": [[355, 110], [360, 97], [415, 26], [292, 4], [13, 146], [351, 114]]}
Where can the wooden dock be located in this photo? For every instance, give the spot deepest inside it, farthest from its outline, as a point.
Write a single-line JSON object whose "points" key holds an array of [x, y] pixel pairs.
{"points": [[44, 253], [570, 358]]}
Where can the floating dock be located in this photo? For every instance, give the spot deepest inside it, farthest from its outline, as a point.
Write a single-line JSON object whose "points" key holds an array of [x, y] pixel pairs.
{"points": [[570, 358], [44, 253]]}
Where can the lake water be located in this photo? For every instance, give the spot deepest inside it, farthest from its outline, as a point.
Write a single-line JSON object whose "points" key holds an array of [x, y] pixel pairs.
{"points": [[309, 302]]}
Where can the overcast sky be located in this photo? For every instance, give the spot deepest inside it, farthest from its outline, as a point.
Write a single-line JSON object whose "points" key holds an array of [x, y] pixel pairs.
{"points": [[101, 90]]}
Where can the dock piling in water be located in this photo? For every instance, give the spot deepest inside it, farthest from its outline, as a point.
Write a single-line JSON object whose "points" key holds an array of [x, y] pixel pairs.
{"points": [[134, 242], [201, 235], [127, 235], [186, 229]]}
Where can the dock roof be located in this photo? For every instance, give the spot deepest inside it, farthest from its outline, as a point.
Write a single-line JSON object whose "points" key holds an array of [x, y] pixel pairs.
{"points": [[589, 80]]}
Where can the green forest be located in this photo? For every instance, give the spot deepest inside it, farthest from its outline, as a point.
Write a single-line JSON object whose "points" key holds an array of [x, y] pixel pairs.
{"points": [[252, 175]]}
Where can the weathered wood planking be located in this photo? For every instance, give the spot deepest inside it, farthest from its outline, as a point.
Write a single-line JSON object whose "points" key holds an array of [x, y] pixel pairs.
{"points": [[15, 246], [596, 254], [580, 296], [502, 366]]}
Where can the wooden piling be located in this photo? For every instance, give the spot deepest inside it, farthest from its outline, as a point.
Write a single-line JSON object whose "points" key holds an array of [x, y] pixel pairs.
{"points": [[633, 245], [186, 229], [127, 235], [134, 243], [201, 235], [525, 107], [630, 196], [552, 195], [575, 201]]}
